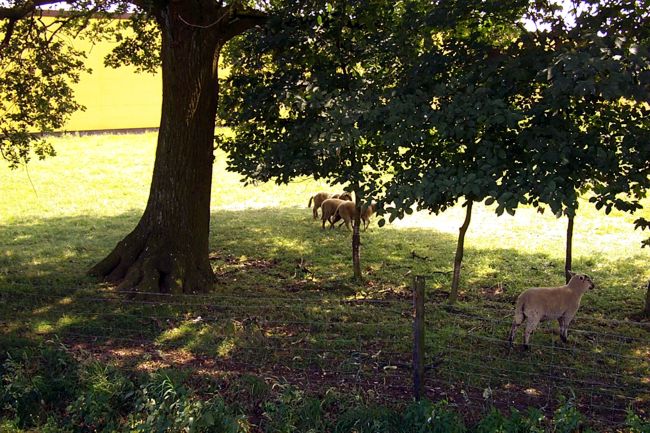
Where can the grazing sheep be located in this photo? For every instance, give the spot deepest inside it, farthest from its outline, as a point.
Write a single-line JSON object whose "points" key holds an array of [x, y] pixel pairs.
{"points": [[329, 208], [346, 212], [343, 196], [320, 197], [550, 303]]}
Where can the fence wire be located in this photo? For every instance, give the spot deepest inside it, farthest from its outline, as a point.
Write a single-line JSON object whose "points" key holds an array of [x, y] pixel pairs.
{"points": [[365, 344]]}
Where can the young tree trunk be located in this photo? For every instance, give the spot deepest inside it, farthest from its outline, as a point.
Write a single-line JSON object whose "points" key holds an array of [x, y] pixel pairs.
{"points": [[356, 242], [646, 310], [168, 249], [460, 248], [569, 248]]}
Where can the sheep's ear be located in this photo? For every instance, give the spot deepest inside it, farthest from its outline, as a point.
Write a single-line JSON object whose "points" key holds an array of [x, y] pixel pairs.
{"points": [[572, 274]]}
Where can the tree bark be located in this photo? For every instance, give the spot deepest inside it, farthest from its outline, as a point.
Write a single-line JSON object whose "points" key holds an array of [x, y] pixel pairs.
{"points": [[168, 249], [569, 248], [356, 242], [646, 310], [460, 251]]}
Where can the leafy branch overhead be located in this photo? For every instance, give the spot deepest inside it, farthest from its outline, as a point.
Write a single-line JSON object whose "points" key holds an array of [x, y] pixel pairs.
{"points": [[38, 71], [41, 63], [458, 100], [643, 224]]}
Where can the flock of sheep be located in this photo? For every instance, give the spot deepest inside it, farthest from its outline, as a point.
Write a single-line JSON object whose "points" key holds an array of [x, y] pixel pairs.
{"points": [[336, 207], [534, 305]]}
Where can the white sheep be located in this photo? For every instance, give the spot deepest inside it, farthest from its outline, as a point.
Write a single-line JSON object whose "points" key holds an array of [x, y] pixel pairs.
{"points": [[329, 207], [347, 210], [550, 303], [320, 197]]}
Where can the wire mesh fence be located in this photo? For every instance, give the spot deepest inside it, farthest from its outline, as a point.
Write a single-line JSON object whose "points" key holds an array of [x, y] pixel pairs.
{"points": [[367, 345]]}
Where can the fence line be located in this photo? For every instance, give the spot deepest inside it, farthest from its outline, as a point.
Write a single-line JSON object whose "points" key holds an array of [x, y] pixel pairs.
{"points": [[577, 330], [451, 342], [602, 387], [498, 306], [556, 348], [207, 318], [247, 306], [456, 310], [218, 296], [554, 366]]}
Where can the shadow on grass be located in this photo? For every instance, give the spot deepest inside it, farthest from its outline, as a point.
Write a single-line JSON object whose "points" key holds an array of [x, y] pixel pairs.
{"points": [[286, 244], [283, 300]]}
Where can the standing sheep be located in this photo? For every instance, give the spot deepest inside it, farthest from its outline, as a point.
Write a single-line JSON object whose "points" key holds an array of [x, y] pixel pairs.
{"points": [[329, 208], [346, 211], [550, 303], [320, 197]]}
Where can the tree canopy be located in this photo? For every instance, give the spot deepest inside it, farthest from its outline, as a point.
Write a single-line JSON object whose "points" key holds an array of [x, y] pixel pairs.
{"points": [[417, 104], [465, 100], [509, 102]]}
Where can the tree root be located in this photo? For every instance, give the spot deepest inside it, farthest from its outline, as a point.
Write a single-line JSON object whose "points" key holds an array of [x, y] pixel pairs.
{"points": [[148, 264]]}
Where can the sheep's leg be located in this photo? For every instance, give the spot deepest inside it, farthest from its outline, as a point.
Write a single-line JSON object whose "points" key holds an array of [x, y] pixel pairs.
{"points": [[564, 328], [335, 218], [516, 322], [513, 331], [562, 324], [531, 325], [315, 212]]}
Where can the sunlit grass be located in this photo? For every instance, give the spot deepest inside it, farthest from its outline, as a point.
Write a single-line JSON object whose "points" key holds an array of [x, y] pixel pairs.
{"points": [[98, 185], [283, 283]]}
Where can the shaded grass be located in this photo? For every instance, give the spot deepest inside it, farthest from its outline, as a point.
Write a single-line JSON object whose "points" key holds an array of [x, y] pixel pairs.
{"points": [[284, 301]]}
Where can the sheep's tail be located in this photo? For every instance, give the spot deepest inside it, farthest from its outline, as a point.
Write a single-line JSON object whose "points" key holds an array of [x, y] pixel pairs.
{"points": [[310, 200], [519, 311]]}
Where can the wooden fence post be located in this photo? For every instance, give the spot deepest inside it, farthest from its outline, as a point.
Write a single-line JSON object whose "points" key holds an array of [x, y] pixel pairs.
{"points": [[418, 336]]}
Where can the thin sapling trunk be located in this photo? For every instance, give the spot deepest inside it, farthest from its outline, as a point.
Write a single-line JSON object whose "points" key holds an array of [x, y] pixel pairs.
{"points": [[646, 310], [460, 247], [356, 242], [569, 248]]}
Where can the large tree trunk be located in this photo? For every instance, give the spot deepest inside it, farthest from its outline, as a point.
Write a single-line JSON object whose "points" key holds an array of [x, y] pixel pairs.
{"points": [[168, 249], [569, 248], [460, 251]]}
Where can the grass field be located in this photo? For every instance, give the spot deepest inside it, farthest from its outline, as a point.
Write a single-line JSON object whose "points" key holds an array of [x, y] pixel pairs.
{"points": [[284, 308]]}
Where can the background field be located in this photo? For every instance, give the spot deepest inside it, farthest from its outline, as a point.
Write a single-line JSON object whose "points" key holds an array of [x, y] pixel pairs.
{"points": [[284, 304]]}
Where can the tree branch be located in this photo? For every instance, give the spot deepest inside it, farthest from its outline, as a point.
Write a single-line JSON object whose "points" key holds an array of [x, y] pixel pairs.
{"points": [[240, 20], [18, 12], [10, 31]]}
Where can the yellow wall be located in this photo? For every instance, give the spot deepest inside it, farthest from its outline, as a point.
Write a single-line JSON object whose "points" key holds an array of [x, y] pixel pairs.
{"points": [[115, 98]]}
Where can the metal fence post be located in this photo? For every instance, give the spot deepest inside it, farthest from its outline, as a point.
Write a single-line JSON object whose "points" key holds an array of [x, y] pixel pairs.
{"points": [[418, 336]]}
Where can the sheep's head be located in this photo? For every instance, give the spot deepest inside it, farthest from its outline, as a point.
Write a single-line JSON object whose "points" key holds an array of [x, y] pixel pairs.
{"points": [[581, 281], [346, 196]]}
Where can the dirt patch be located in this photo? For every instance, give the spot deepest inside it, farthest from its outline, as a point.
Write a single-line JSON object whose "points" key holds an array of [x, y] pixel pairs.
{"points": [[493, 293]]}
